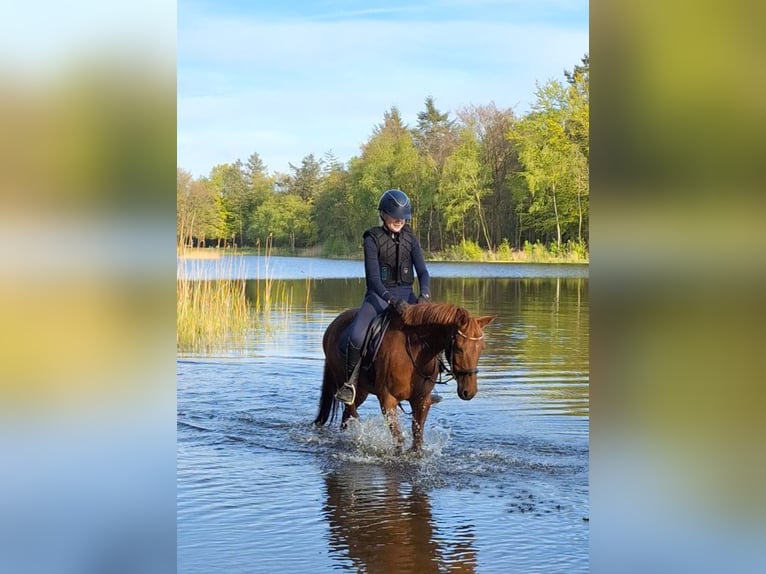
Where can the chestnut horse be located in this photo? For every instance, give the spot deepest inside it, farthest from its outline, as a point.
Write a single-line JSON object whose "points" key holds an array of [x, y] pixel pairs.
{"points": [[406, 366]]}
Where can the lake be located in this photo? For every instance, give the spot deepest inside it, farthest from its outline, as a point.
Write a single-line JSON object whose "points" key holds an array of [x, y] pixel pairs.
{"points": [[503, 483]]}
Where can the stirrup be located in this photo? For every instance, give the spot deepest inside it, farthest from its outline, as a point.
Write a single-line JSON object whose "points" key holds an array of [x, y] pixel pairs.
{"points": [[346, 394]]}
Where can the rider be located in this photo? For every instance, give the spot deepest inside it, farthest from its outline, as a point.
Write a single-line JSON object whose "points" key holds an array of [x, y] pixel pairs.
{"points": [[391, 250]]}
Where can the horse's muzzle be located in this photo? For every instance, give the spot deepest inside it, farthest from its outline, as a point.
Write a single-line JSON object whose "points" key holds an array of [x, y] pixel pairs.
{"points": [[465, 394]]}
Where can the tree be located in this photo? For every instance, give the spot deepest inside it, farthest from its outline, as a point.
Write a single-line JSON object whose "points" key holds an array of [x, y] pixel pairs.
{"points": [[331, 206], [286, 219], [464, 184], [330, 163], [490, 126], [578, 129], [552, 148], [436, 137], [305, 180], [197, 214], [184, 214], [260, 184], [238, 198], [389, 160]]}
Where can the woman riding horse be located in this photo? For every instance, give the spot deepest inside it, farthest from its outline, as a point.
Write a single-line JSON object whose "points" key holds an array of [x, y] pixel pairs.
{"points": [[406, 365], [391, 250]]}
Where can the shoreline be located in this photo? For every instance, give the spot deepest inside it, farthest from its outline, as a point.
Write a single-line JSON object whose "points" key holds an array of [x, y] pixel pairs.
{"points": [[520, 257]]}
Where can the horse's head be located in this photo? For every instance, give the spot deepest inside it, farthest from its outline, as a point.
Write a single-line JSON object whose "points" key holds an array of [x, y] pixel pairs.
{"points": [[464, 351]]}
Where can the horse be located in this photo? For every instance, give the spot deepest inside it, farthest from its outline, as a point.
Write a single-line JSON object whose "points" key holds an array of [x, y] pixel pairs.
{"points": [[390, 528], [406, 366]]}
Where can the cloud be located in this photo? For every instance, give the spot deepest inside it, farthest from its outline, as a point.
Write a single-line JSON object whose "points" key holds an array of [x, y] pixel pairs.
{"points": [[324, 84]]}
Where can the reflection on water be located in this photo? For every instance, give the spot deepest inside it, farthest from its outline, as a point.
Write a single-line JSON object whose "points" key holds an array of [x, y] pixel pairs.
{"points": [[504, 484], [381, 523]]}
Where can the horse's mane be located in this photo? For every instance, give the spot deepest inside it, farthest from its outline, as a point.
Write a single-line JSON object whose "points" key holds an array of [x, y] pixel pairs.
{"points": [[433, 314]]}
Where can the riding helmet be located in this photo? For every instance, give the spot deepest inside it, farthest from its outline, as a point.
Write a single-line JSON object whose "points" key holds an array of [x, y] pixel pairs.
{"points": [[396, 204]]}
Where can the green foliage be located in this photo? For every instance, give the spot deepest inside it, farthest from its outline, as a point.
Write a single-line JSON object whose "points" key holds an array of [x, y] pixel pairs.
{"points": [[578, 250], [306, 180], [552, 143], [536, 251], [198, 216], [465, 181], [571, 252], [238, 198], [503, 252], [285, 220], [512, 187], [331, 207], [466, 250]]}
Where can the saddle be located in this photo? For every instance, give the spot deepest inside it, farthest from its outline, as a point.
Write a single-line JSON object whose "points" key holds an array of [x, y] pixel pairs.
{"points": [[373, 338]]}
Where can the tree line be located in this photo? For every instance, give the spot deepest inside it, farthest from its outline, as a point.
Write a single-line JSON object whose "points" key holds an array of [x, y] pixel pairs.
{"points": [[485, 177]]}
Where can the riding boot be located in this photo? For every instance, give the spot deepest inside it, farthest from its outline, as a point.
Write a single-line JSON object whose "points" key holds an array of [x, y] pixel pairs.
{"points": [[347, 393]]}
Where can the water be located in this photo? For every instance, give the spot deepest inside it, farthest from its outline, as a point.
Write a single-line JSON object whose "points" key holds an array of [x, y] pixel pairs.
{"points": [[502, 485], [259, 267]]}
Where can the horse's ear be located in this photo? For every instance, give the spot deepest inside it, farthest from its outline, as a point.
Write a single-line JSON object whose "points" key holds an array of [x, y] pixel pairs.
{"points": [[484, 321]]}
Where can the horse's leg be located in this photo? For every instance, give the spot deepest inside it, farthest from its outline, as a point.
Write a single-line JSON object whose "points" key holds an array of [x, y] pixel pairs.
{"points": [[420, 407], [388, 406], [350, 411]]}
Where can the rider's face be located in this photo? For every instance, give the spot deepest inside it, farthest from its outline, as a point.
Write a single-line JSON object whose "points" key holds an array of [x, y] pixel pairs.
{"points": [[394, 225]]}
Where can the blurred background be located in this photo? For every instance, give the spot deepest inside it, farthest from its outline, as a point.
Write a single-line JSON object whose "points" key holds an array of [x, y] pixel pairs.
{"points": [[677, 273], [87, 252], [87, 351]]}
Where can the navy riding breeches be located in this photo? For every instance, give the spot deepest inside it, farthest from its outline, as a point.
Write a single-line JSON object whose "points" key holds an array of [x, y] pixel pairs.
{"points": [[372, 305]]}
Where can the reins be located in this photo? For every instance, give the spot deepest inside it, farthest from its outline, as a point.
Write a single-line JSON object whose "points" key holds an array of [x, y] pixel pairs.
{"points": [[415, 363], [450, 370]]}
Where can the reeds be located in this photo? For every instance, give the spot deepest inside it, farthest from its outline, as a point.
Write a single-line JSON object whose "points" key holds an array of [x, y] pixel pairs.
{"points": [[215, 310], [271, 294], [211, 314]]}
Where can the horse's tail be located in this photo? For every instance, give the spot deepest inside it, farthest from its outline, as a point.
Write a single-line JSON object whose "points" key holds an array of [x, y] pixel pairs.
{"points": [[328, 406]]}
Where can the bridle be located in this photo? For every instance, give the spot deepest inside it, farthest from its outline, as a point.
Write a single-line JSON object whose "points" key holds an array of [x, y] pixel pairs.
{"points": [[450, 357], [451, 372]]}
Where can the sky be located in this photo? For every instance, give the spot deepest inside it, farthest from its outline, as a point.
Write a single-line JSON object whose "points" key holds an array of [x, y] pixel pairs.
{"points": [[289, 79]]}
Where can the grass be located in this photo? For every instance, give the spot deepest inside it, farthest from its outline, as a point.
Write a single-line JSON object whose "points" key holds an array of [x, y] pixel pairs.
{"points": [[215, 315], [211, 314], [571, 252]]}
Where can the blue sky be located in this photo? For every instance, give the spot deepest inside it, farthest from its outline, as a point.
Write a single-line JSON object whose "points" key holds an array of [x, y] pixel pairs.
{"points": [[294, 78]]}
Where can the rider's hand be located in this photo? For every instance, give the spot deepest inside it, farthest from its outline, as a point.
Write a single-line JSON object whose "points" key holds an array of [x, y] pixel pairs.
{"points": [[422, 298], [399, 305]]}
